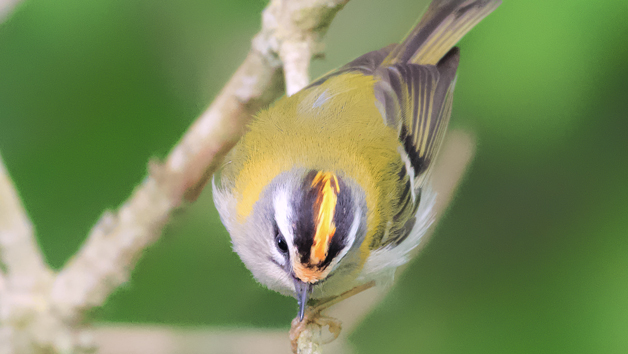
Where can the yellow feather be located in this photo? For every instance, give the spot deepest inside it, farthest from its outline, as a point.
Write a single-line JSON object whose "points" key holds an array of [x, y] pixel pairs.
{"points": [[325, 227], [341, 131]]}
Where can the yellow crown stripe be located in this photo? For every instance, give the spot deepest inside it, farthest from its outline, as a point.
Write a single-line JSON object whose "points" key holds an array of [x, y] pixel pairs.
{"points": [[326, 203]]}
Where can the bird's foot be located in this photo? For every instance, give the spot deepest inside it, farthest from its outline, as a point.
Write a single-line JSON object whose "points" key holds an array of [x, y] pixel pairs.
{"points": [[313, 316]]}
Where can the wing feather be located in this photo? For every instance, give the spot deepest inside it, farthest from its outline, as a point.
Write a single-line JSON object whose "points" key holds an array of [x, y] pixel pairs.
{"points": [[420, 108], [421, 97]]}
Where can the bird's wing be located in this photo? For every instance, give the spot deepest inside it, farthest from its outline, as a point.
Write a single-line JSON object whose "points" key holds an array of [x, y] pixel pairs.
{"points": [[416, 100]]}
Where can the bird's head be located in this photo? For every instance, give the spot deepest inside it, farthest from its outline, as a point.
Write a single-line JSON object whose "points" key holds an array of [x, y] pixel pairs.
{"points": [[302, 226]]}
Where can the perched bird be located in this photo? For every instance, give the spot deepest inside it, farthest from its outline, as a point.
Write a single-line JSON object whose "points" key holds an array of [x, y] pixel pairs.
{"points": [[329, 189]]}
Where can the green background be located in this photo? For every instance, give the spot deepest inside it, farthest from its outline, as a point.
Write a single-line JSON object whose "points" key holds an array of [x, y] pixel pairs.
{"points": [[531, 258]]}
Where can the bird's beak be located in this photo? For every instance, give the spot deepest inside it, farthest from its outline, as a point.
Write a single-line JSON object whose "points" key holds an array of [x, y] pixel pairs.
{"points": [[302, 291]]}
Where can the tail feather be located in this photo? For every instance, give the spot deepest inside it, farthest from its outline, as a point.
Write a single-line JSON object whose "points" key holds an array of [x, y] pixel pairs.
{"points": [[443, 24]]}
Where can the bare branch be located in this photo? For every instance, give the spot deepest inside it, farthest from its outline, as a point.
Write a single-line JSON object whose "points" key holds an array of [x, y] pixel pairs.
{"points": [[310, 342], [18, 249], [6, 8], [295, 56], [26, 278], [300, 28], [116, 242]]}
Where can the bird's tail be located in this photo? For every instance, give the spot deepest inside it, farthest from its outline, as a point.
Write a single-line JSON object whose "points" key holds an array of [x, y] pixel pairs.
{"points": [[442, 25]]}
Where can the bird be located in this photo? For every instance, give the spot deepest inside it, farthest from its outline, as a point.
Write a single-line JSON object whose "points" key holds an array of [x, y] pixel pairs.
{"points": [[329, 189]]}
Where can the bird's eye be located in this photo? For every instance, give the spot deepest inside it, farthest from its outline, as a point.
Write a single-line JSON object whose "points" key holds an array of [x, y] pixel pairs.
{"points": [[281, 243]]}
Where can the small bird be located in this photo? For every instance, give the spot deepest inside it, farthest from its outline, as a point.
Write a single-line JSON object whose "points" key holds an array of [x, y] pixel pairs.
{"points": [[329, 189]]}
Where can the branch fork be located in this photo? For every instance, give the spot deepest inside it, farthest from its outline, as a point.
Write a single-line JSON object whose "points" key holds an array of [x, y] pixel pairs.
{"points": [[41, 311]]}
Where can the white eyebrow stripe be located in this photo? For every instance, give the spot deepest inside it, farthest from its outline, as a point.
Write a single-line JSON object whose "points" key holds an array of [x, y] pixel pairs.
{"points": [[353, 232], [355, 226], [283, 215]]}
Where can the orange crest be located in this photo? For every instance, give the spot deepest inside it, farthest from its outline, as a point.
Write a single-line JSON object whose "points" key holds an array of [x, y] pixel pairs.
{"points": [[328, 189]]}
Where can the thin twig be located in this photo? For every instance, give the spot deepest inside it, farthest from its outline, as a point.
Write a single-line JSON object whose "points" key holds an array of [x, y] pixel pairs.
{"points": [[295, 56], [18, 249], [6, 8], [26, 278], [301, 36]]}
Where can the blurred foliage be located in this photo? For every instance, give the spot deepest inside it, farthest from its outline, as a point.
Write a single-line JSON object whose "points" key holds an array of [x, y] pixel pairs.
{"points": [[532, 257]]}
